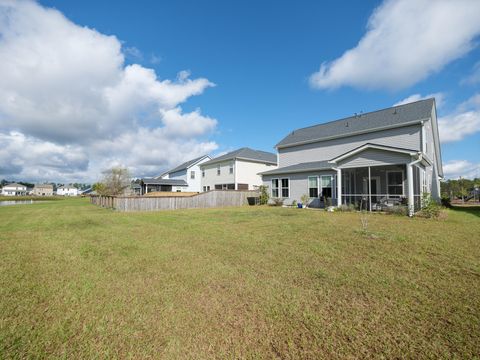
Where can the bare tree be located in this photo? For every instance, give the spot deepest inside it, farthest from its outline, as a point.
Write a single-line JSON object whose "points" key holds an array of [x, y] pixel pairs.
{"points": [[115, 181]]}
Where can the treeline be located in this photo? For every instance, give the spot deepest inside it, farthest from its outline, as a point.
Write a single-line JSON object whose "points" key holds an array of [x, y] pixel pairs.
{"points": [[460, 189]]}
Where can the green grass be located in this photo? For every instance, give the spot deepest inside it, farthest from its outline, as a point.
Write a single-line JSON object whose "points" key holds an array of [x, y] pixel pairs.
{"points": [[77, 281]]}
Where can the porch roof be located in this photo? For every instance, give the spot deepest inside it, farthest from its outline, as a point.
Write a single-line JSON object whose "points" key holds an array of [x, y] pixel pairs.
{"points": [[372, 146], [302, 167], [173, 182]]}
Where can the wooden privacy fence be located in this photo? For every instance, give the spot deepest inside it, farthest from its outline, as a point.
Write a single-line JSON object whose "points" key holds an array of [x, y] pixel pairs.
{"points": [[210, 199]]}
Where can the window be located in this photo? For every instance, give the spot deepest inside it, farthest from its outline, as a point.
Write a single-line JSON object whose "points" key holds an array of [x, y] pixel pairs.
{"points": [[203, 173], [218, 170], [204, 188], [313, 186], [285, 188], [192, 174], [395, 183], [326, 181], [231, 168], [275, 188]]}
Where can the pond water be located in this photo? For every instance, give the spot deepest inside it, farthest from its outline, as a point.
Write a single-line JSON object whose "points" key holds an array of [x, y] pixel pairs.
{"points": [[15, 202]]}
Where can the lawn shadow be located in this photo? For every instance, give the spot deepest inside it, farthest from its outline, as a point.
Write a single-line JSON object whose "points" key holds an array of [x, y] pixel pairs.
{"points": [[469, 209]]}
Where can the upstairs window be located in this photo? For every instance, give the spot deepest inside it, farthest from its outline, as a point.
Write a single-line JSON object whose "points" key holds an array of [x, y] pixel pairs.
{"points": [[231, 168], [203, 173], [218, 170], [192, 174]]}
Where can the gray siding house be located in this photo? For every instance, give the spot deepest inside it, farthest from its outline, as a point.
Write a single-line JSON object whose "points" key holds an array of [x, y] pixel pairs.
{"points": [[373, 160], [189, 172]]}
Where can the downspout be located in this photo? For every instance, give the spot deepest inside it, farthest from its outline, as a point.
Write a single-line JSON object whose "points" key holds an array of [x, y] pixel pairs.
{"points": [[339, 185], [411, 198]]}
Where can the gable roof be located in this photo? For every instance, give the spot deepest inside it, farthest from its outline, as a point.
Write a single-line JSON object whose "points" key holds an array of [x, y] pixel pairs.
{"points": [[185, 165], [400, 115], [372, 146], [246, 153], [49, 186], [14, 185]]}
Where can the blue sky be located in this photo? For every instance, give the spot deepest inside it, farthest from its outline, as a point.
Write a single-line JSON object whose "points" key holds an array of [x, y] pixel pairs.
{"points": [[261, 58]]}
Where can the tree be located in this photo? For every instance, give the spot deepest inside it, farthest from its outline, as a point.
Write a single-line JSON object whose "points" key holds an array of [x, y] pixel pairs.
{"points": [[114, 182]]}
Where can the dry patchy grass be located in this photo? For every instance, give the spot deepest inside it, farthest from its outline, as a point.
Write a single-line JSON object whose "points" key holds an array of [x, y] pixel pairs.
{"points": [[254, 282]]}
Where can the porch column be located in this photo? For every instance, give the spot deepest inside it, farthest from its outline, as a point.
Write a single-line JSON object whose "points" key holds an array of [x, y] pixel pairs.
{"points": [[411, 206], [369, 189], [339, 187]]}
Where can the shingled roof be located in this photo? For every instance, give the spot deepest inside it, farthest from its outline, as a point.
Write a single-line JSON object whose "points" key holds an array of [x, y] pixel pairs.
{"points": [[246, 153], [376, 120], [173, 182], [185, 165]]}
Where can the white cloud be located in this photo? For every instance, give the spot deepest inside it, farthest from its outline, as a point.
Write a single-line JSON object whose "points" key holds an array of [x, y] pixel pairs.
{"points": [[405, 41], [70, 107], [463, 122], [439, 99], [456, 168]]}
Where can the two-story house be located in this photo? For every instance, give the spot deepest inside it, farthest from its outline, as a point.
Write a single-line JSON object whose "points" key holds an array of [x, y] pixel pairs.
{"points": [[67, 191], [372, 160], [14, 189], [43, 190], [190, 172], [237, 170]]}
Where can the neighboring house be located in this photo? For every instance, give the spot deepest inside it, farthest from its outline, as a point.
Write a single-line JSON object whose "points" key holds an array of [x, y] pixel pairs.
{"points": [[14, 189], [373, 160], [136, 189], [43, 190], [189, 172], [151, 185], [67, 191], [237, 170]]}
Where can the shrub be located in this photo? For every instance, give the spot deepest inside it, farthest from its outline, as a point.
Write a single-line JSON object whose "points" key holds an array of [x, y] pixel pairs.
{"points": [[446, 202], [397, 210], [264, 196], [277, 202], [305, 199], [430, 208], [346, 208]]}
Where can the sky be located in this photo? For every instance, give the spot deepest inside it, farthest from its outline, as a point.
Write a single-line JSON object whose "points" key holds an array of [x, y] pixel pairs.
{"points": [[87, 85]]}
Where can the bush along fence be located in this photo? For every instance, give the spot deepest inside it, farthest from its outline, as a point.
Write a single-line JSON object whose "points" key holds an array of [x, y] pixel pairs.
{"points": [[210, 199]]}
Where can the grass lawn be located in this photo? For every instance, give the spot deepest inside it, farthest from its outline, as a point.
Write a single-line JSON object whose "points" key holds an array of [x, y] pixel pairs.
{"points": [[77, 281]]}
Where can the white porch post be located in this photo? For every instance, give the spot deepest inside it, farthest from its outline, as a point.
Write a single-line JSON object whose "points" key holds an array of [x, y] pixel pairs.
{"points": [[339, 187], [411, 206], [369, 189]]}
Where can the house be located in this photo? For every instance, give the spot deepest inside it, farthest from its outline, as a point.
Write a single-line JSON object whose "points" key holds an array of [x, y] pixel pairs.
{"points": [[237, 170], [171, 185], [43, 190], [14, 189], [372, 161], [67, 191], [189, 171]]}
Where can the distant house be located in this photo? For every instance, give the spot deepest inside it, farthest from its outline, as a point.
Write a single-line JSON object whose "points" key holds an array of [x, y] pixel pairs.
{"points": [[67, 191], [372, 161], [237, 170], [190, 172], [171, 185], [14, 189], [43, 190]]}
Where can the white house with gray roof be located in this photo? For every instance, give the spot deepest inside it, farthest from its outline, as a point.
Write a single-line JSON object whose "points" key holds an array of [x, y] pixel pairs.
{"points": [[373, 160], [189, 172], [14, 189], [237, 170]]}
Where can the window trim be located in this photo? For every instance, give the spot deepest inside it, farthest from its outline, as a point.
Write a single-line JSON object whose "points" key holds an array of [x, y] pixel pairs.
{"points": [[331, 186], [387, 185], [288, 188], [278, 187]]}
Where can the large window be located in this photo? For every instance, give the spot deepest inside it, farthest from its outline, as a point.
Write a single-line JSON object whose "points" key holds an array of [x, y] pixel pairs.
{"points": [[395, 183], [326, 181], [313, 186], [275, 188]]}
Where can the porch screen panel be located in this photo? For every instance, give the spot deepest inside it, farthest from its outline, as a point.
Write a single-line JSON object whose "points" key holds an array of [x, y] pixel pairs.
{"points": [[395, 183]]}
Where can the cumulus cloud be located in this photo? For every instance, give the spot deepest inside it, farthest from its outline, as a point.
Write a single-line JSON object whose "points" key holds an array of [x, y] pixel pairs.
{"points": [[405, 42], [70, 106], [463, 122], [461, 168]]}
